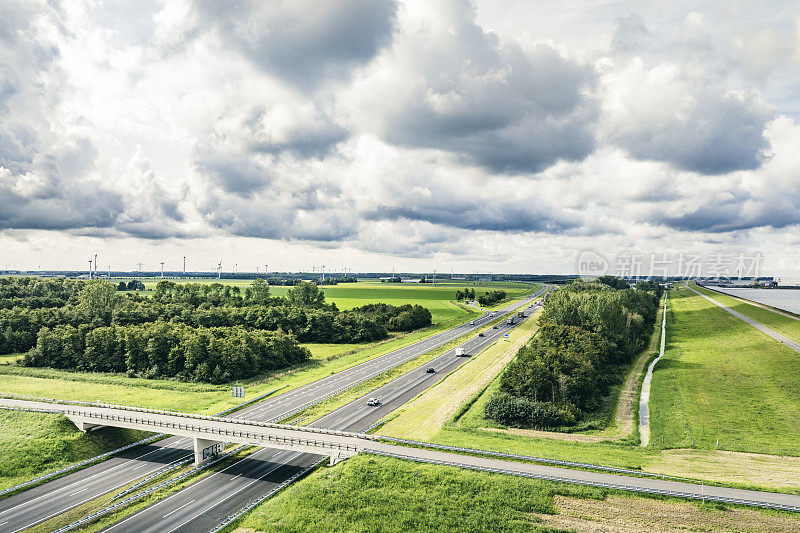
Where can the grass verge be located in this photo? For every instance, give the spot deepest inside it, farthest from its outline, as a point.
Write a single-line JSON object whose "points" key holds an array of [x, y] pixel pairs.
{"points": [[722, 384]]}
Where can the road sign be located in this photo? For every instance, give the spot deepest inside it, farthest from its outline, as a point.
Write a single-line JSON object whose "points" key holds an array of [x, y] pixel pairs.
{"points": [[237, 392]]}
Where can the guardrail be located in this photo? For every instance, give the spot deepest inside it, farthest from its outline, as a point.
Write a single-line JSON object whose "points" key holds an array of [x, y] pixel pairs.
{"points": [[544, 460], [76, 466], [232, 518], [122, 503], [218, 432], [599, 484]]}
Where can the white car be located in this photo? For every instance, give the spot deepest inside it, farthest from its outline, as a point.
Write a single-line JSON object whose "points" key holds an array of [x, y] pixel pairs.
{"points": [[372, 402]]}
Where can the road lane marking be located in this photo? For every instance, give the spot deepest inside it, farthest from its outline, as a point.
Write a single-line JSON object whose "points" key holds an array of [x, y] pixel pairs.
{"points": [[178, 509]]}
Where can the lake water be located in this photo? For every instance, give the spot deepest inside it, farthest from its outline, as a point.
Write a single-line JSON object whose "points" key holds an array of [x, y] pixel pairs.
{"points": [[786, 299]]}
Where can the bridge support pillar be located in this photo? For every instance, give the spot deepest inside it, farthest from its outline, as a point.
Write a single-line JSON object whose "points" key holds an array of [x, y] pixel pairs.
{"points": [[338, 457], [205, 449], [84, 426]]}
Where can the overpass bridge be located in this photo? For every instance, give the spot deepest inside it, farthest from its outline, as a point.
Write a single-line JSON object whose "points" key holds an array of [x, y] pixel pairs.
{"points": [[210, 433]]}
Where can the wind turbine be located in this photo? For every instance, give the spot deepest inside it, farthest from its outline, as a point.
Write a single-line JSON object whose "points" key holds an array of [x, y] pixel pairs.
{"points": [[162, 269], [219, 270], [184, 266], [90, 269]]}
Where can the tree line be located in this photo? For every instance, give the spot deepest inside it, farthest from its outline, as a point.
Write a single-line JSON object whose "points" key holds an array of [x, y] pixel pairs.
{"points": [[302, 315], [166, 350], [487, 298], [589, 333]]}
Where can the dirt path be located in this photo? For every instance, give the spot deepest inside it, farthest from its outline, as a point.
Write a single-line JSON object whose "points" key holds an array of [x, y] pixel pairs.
{"points": [[644, 401]]}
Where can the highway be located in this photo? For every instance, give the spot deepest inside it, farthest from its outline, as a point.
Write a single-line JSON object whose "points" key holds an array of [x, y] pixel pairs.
{"points": [[203, 505], [58, 496], [758, 325]]}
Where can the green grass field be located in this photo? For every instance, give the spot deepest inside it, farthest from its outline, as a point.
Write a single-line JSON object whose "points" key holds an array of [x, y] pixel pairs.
{"points": [[370, 493], [723, 384], [33, 443], [782, 324]]}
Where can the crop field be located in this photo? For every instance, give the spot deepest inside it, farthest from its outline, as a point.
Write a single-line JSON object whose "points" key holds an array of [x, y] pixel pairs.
{"points": [[722, 384], [436, 298]]}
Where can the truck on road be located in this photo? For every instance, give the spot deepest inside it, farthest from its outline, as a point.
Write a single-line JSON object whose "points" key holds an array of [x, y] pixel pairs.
{"points": [[510, 321], [460, 352]]}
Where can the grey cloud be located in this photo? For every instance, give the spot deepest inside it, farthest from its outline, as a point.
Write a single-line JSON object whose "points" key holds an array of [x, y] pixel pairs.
{"points": [[454, 87], [630, 33], [303, 41], [716, 135]]}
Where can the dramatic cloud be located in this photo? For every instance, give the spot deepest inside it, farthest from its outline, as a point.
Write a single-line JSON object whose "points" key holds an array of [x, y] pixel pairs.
{"points": [[303, 41], [488, 132], [448, 84]]}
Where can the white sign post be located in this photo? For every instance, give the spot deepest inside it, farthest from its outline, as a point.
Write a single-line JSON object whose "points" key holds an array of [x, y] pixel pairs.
{"points": [[237, 392]]}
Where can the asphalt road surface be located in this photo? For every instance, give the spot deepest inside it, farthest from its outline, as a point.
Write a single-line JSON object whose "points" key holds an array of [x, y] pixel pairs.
{"points": [[758, 325], [208, 502], [41, 503]]}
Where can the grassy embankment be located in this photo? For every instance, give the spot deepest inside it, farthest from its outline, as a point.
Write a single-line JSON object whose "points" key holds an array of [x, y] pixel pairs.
{"points": [[782, 324], [470, 429], [370, 493], [724, 384], [33, 443]]}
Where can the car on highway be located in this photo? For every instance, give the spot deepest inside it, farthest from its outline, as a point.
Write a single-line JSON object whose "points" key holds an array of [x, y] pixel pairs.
{"points": [[494, 327], [431, 370], [372, 402], [471, 322], [481, 334]]}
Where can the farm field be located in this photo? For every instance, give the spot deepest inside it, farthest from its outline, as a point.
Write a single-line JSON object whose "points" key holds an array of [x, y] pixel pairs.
{"points": [[436, 298], [722, 384], [782, 324], [371, 493]]}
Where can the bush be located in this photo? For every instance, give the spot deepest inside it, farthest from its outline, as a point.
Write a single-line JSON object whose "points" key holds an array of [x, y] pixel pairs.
{"points": [[523, 413]]}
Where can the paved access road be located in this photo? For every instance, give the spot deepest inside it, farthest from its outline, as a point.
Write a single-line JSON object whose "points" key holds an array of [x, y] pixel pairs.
{"points": [[208, 502], [758, 325], [58, 496]]}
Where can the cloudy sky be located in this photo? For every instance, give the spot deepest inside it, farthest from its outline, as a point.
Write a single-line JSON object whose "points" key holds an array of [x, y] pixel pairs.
{"points": [[498, 135]]}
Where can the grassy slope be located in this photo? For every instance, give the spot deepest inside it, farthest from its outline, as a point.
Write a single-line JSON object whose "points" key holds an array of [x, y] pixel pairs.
{"points": [[34, 442], [422, 417], [369, 493], [377, 494], [720, 378], [782, 324]]}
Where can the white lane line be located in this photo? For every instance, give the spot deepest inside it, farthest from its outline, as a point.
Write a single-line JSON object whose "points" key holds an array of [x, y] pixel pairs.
{"points": [[78, 492], [178, 509], [238, 491], [234, 477]]}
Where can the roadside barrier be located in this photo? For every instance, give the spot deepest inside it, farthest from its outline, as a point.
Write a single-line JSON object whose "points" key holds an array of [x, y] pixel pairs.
{"points": [[599, 484], [122, 503], [232, 518]]}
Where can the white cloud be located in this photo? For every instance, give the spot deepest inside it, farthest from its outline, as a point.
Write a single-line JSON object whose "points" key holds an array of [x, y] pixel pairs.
{"points": [[417, 131]]}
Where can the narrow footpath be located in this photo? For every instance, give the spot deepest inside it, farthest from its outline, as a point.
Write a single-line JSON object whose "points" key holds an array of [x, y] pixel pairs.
{"points": [[644, 399]]}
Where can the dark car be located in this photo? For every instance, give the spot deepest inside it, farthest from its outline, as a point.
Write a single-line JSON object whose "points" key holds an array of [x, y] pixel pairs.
{"points": [[431, 370], [481, 334], [494, 327]]}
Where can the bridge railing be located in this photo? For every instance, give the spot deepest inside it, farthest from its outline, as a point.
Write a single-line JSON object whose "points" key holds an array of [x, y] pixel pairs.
{"points": [[264, 438]]}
